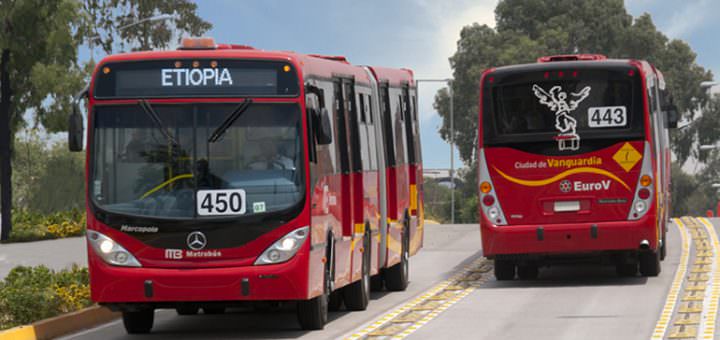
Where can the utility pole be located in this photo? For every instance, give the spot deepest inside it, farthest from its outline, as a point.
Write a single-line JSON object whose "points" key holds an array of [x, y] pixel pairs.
{"points": [[5, 147]]}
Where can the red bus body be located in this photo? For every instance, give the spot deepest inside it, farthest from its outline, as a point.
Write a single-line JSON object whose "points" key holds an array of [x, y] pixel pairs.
{"points": [[540, 204], [349, 188]]}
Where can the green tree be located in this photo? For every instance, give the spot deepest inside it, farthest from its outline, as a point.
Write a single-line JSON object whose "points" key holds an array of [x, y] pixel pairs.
{"points": [[115, 20], [38, 72], [527, 29]]}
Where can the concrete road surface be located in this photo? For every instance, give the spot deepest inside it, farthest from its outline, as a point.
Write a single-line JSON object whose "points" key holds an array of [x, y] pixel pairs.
{"points": [[566, 302], [55, 254]]}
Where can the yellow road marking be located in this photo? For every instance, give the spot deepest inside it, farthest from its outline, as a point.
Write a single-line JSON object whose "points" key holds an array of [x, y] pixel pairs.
{"points": [[672, 298], [406, 319], [707, 326]]}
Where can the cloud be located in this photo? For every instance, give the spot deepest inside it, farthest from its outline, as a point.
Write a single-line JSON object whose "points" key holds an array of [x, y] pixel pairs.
{"points": [[448, 18], [691, 16]]}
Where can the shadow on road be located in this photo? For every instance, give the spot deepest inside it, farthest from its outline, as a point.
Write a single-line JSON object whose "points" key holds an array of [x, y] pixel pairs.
{"points": [[570, 275]]}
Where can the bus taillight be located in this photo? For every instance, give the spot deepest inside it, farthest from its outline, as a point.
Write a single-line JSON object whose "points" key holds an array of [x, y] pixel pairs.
{"points": [[488, 200]]}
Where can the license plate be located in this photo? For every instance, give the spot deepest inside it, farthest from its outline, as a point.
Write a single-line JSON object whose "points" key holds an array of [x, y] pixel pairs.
{"points": [[565, 206]]}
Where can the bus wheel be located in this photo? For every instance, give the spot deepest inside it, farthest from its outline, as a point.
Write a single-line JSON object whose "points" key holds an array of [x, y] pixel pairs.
{"points": [[313, 314], [138, 322], [187, 310], [397, 276], [357, 294], [504, 270], [650, 263], [528, 271]]}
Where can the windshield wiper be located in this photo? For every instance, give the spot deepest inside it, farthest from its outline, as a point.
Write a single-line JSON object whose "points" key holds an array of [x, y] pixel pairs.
{"points": [[228, 122], [155, 118]]}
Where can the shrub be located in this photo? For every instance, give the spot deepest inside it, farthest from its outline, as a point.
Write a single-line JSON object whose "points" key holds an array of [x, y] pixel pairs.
{"points": [[33, 226], [29, 294]]}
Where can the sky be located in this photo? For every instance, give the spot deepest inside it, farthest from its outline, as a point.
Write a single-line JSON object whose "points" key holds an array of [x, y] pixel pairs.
{"points": [[416, 34]]}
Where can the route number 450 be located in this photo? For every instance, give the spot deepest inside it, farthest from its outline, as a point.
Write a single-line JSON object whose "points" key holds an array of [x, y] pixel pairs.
{"points": [[607, 116], [220, 202]]}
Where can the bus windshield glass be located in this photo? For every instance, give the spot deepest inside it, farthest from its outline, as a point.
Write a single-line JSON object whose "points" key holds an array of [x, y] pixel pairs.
{"points": [[254, 167], [541, 107]]}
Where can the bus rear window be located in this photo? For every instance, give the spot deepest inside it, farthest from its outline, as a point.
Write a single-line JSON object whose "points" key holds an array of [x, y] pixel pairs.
{"points": [[540, 106]]}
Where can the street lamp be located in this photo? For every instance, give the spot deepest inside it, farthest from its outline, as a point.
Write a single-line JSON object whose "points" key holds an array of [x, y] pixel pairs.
{"points": [[448, 81]]}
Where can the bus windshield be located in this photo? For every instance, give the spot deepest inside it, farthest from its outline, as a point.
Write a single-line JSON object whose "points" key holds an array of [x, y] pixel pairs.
{"points": [[540, 107], [137, 171]]}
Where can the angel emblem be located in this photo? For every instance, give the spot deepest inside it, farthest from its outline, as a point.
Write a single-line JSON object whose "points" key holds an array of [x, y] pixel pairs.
{"points": [[557, 100]]}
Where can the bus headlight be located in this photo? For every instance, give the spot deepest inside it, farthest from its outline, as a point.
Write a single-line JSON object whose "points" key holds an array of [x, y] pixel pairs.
{"points": [[111, 252], [284, 248], [640, 206]]}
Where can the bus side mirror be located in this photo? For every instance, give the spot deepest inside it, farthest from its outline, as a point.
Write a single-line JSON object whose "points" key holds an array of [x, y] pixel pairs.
{"points": [[75, 131], [323, 132], [75, 122], [672, 116]]}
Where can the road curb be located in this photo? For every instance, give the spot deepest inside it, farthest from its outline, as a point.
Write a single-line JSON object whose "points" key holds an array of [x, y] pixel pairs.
{"points": [[61, 325]]}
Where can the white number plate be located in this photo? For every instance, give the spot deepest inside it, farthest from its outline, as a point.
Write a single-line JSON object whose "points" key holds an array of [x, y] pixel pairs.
{"points": [[607, 116], [565, 206], [220, 202]]}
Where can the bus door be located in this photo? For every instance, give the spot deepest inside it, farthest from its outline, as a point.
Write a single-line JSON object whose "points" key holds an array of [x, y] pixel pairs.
{"points": [[412, 141], [389, 141], [342, 253], [355, 205]]}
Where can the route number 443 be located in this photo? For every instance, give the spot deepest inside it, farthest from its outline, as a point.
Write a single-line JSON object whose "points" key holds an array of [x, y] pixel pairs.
{"points": [[220, 202], [607, 116]]}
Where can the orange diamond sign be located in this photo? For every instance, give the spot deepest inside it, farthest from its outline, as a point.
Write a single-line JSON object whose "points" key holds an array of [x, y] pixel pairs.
{"points": [[627, 157]]}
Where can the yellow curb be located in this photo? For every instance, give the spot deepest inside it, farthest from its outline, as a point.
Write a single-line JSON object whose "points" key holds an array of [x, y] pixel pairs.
{"points": [[19, 333], [61, 325], [432, 222]]}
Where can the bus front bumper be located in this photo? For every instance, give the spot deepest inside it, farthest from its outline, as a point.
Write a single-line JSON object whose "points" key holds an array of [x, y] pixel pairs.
{"points": [[120, 285], [576, 238]]}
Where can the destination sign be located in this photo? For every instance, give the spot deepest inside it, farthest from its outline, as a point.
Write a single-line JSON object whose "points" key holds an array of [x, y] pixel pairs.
{"points": [[193, 78]]}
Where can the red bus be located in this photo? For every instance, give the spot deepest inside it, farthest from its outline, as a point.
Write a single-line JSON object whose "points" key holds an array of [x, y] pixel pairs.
{"points": [[574, 164], [222, 176]]}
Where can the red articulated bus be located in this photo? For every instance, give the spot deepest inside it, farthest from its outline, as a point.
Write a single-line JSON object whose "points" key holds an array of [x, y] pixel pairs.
{"points": [[574, 164], [222, 176]]}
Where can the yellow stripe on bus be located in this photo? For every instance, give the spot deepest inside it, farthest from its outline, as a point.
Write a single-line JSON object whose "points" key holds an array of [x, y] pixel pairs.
{"points": [[541, 182]]}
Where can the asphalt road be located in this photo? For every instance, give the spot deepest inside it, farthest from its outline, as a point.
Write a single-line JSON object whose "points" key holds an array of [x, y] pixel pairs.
{"points": [[446, 248], [55, 254], [566, 302]]}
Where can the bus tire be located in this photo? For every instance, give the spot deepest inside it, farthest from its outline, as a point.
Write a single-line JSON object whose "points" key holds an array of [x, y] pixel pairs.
{"points": [[138, 322], [528, 271], [313, 314], [504, 270], [397, 276], [357, 294], [650, 263], [187, 310]]}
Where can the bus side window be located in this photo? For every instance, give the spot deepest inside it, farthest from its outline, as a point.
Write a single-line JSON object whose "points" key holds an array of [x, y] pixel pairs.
{"points": [[386, 118]]}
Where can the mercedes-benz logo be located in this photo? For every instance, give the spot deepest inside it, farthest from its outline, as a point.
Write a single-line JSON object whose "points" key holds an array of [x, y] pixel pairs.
{"points": [[196, 240], [565, 186]]}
